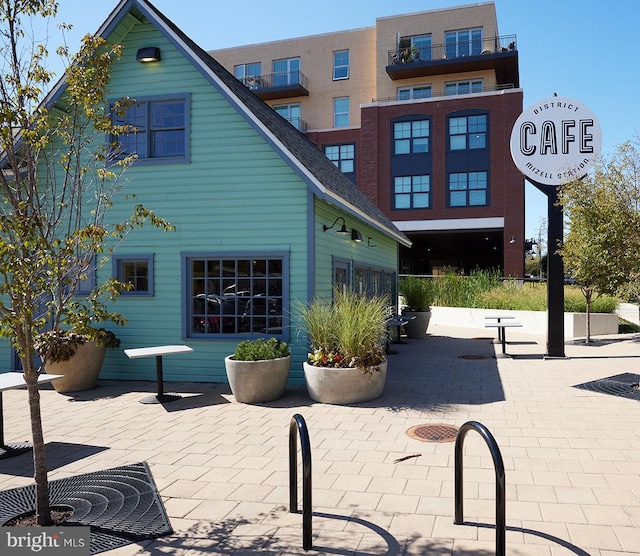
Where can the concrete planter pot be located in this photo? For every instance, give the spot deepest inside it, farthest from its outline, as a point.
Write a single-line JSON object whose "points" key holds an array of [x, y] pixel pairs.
{"points": [[81, 371], [344, 386], [258, 381], [416, 328]]}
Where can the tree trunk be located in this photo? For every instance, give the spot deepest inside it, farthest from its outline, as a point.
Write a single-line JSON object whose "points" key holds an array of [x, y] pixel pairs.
{"points": [[43, 508]]}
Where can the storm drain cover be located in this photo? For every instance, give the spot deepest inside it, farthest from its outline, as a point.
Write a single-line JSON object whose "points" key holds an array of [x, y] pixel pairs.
{"points": [[624, 385], [433, 433], [472, 356], [120, 505]]}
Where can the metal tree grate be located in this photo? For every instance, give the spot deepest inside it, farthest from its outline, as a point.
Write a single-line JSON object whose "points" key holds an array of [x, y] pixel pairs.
{"points": [[624, 385], [433, 433], [120, 505]]}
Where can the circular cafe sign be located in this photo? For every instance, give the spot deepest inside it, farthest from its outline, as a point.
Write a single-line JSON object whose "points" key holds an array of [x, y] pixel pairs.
{"points": [[555, 141]]}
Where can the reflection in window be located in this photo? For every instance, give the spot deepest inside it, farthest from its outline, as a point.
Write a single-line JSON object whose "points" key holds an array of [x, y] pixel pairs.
{"points": [[468, 189], [412, 192], [468, 132], [135, 270], [341, 64], [411, 137], [235, 296], [154, 129]]}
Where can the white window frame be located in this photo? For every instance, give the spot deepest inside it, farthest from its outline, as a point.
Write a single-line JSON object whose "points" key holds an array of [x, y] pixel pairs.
{"points": [[340, 70], [402, 91], [339, 114]]}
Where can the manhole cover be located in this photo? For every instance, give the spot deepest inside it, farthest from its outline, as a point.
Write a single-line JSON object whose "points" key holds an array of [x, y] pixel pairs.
{"points": [[433, 433], [472, 356]]}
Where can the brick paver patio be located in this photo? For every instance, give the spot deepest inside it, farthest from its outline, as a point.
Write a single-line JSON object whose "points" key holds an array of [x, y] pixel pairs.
{"points": [[572, 457]]}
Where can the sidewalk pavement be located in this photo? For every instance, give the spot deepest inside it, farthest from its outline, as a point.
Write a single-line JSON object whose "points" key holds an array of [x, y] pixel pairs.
{"points": [[572, 456]]}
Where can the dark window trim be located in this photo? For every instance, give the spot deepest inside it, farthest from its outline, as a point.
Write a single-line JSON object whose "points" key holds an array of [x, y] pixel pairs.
{"points": [[186, 257], [467, 205], [116, 264], [186, 158], [467, 114]]}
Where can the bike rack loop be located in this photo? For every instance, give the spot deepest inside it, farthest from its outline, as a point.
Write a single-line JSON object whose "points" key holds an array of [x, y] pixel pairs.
{"points": [[298, 422], [500, 480]]}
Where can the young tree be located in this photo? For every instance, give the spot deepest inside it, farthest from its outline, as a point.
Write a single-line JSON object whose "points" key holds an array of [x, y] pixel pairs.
{"points": [[602, 247], [57, 185]]}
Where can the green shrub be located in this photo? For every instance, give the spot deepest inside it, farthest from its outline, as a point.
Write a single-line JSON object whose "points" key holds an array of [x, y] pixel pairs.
{"points": [[261, 349]]}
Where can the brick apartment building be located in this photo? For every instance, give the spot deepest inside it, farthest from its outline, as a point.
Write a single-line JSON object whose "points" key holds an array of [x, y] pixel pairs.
{"points": [[418, 112]]}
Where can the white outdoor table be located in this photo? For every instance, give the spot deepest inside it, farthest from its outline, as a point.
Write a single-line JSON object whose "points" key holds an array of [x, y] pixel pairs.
{"points": [[158, 352], [502, 326], [12, 381], [498, 319]]}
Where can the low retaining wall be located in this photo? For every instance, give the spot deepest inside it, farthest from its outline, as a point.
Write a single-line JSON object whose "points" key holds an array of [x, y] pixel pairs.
{"points": [[533, 322]]}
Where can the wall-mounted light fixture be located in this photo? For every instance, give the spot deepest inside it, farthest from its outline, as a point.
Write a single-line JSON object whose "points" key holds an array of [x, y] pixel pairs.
{"points": [[343, 229], [356, 236], [148, 54], [512, 240]]}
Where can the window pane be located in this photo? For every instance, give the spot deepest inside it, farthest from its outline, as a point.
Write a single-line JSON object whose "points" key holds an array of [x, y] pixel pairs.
{"points": [[477, 141], [403, 201], [420, 145], [457, 125], [403, 146], [421, 200], [347, 166], [458, 142], [458, 199], [402, 130], [477, 198], [420, 128]]}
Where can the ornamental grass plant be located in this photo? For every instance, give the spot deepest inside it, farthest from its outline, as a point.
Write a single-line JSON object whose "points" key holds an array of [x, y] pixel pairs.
{"points": [[350, 332]]}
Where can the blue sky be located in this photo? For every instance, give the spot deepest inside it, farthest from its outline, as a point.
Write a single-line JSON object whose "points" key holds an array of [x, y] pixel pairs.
{"points": [[583, 49]]}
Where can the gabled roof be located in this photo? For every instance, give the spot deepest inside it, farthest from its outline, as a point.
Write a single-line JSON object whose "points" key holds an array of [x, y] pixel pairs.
{"points": [[316, 170]]}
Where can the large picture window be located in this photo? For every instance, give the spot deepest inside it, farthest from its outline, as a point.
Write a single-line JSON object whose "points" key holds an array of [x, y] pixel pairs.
{"points": [[157, 129], [465, 42], [236, 295]]}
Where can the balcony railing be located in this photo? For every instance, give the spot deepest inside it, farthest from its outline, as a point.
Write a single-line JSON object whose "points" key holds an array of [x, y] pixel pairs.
{"points": [[438, 94], [278, 85], [451, 50], [498, 53]]}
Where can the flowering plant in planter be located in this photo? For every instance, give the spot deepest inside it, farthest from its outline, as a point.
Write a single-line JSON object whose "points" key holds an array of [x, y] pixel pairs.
{"points": [[351, 332]]}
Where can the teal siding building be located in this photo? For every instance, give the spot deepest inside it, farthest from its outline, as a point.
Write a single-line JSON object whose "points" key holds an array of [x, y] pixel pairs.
{"points": [[255, 204]]}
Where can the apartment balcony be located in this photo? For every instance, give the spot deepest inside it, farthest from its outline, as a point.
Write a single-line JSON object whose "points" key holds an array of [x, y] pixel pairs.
{"points": [[272, 86], [498, 53], [471, 89]]}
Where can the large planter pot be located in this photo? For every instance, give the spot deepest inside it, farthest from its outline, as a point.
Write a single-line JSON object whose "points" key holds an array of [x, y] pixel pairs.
{"points": [[416, 328], [81, 371], [344, 386], [257, 381]]}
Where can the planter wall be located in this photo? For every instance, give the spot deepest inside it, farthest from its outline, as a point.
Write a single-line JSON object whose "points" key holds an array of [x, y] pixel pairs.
{"points": [[344, 386], [81, 371], [533, 322], [257, 381]]}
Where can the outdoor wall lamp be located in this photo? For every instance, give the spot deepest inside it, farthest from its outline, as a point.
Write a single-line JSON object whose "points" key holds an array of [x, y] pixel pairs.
{"points": [[513, 239], [356, 236], [343, 229], [148, 54]]}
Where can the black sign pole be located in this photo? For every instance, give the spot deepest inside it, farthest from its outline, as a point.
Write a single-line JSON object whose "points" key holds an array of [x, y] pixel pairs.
{"points": [[555, 273]]}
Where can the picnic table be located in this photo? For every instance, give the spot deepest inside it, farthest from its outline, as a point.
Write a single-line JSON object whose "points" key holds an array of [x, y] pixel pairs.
{"points": [[158, 352], [11, 381], [501, 326]]}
